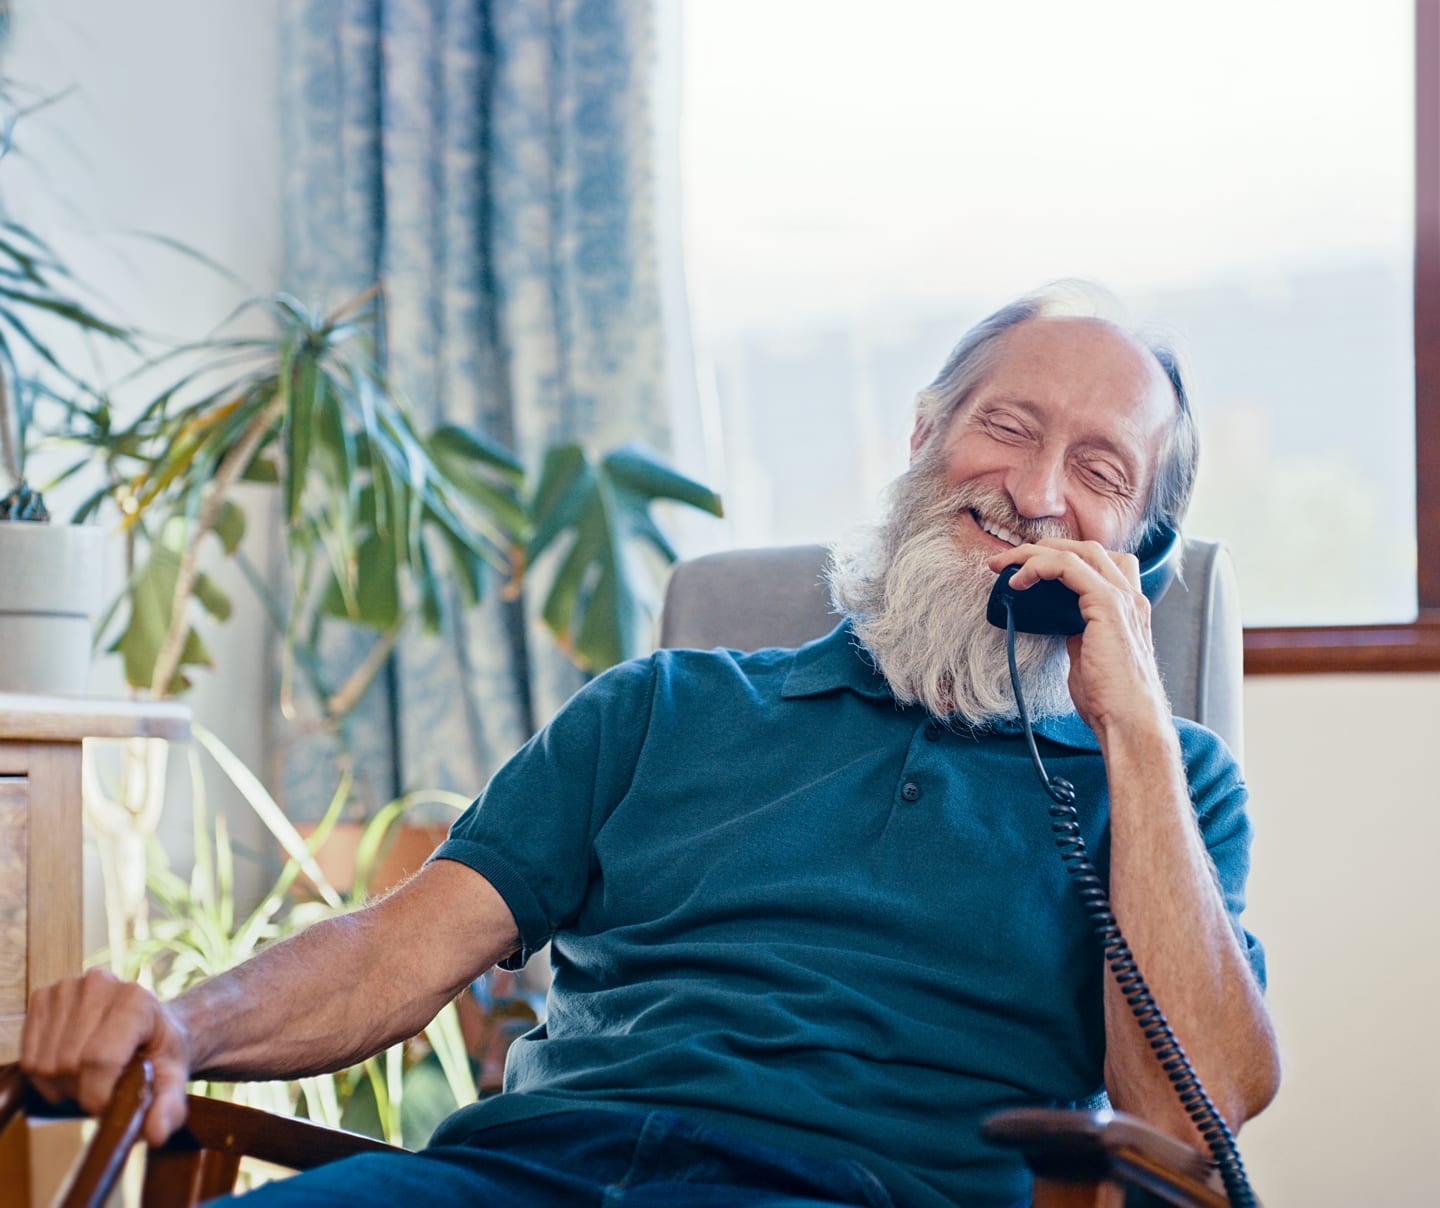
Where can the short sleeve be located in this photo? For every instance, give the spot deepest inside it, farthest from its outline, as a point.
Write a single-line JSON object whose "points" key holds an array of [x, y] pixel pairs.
{"points": [[1220, 797], [531, 832]]}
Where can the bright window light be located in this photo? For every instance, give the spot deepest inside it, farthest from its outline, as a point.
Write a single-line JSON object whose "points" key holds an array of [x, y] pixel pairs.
{"points": [[861, 182]]}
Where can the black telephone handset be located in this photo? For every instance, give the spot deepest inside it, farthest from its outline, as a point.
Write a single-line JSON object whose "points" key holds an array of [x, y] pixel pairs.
{"points": [[1048, 606]]}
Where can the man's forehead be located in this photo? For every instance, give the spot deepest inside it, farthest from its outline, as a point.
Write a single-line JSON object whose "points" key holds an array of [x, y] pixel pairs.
{"points": [[1085, 361], [1078, 345]]}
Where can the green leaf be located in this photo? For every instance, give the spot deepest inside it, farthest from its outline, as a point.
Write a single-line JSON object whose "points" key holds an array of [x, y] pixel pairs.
{"points": [[362, 1113], [567, 480], [451, 444], [152, 595], [426, 1099], [377, 591], [65, 308], [575, 576], [211, 597], [469, 570], [599, 594], [298, 382], [446, 1039], [321, 1103], [230, 525], [482, 541], [269, 813], [494, 494], [262, 470], [432, 606], [634, 467], [375, 839]]}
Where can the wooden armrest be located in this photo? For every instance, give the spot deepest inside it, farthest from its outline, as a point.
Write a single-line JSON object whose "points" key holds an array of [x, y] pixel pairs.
{"points": [[1071, 1147], [200, 1160], [232, 1128]]}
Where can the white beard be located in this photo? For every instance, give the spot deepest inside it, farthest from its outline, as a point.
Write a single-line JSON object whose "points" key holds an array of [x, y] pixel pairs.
{"points": [[917, 602]]}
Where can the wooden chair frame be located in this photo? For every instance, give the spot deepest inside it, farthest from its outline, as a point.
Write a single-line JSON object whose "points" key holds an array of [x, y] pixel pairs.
{"points": [[1080, 1159], [198, 1163]]}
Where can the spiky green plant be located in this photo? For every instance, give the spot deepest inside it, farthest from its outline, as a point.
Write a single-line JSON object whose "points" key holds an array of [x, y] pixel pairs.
{"points": [[197, 931], [39, 301]]}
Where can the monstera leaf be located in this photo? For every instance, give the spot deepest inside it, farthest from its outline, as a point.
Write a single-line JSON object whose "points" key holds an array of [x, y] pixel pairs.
{"points": [[595, 606]]}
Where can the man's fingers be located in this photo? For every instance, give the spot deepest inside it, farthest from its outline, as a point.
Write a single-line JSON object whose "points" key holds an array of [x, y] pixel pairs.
{"points": [[1069, 561], [108, 1034], [168, 1111], [1076, 572], [1129, 566], [41, 1043]]}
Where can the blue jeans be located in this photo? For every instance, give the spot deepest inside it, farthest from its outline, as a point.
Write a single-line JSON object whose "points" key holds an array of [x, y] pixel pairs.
{"points": [[598, 1159]]}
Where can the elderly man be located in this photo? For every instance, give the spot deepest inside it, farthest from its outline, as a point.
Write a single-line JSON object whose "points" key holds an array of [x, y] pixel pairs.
{"points": [[808, 925]]}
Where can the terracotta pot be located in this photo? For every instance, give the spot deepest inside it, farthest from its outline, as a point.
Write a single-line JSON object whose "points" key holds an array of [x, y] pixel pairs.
{"points": [[405, 850]]}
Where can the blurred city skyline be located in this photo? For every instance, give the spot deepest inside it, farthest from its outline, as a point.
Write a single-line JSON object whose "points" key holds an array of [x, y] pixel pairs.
{"points": [[865, 191]]}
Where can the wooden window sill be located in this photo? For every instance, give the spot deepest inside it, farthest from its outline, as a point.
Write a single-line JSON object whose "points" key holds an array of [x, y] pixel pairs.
{"points": [[1345, 648]]}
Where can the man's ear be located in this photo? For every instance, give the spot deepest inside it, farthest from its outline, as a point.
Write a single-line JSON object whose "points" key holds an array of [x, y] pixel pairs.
{"points": [[919, 435]]}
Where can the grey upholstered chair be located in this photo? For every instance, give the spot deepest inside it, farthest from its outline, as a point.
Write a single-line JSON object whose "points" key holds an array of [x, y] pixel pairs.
{"points": [[749, 599]]}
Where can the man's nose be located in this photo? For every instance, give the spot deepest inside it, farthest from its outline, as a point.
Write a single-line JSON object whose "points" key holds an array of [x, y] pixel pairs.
{"points": [[1037, 486]]}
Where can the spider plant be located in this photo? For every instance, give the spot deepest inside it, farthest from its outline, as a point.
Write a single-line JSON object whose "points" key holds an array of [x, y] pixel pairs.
{"points": [[198, 930]]}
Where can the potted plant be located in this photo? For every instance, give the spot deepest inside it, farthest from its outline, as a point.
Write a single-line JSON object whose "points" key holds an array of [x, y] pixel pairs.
{"points": [[377, 513]]}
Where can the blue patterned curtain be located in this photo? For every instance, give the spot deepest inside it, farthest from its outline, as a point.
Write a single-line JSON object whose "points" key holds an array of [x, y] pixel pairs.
{"points": [[490, 160]]}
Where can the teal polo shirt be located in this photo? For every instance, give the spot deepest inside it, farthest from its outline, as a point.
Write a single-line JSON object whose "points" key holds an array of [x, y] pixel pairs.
{"points": [[782, 903]]}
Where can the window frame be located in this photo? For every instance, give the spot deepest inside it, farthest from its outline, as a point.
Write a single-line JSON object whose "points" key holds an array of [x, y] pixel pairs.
{"points": [[1416, 646]]}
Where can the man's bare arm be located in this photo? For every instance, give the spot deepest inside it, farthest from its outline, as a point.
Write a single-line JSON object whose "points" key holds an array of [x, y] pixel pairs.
{"points": [[1161, 884], [1174, 918], [336, 993]]}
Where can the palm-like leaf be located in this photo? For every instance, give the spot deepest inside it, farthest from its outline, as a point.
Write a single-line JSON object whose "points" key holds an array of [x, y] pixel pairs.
{"points": [[364, 494], [380, 517]]}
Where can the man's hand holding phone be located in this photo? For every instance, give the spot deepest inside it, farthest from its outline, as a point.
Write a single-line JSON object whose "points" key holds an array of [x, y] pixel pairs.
{"points": [[1113, 675]]}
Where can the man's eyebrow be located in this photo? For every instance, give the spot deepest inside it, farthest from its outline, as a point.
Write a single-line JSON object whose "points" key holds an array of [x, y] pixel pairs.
{"points": [[1131, 454]]}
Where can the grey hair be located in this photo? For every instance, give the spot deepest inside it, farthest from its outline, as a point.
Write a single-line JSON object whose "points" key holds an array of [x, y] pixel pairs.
{"points": [[974, 356]]}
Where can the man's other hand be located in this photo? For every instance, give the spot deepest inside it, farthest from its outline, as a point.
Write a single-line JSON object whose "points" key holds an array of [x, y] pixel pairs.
{"points": [[80, 1034]]}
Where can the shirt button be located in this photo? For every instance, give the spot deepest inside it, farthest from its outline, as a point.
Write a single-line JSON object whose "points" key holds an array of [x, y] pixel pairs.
{"points": [[932, 731], [910, 791]]}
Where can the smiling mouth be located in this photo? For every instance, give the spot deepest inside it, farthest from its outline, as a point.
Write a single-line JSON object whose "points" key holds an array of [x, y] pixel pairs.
{"points": [[998, 531]]}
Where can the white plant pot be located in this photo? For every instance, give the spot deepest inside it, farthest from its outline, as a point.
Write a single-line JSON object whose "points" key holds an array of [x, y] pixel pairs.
{"points": [[51, 586]]}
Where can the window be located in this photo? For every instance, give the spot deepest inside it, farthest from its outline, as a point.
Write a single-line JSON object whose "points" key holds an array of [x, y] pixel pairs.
{"points": [[859, 190]]}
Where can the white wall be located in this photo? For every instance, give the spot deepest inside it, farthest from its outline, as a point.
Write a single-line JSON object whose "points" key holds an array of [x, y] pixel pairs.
{"points": [[172, 128], [175, 129], [1347, 809]]}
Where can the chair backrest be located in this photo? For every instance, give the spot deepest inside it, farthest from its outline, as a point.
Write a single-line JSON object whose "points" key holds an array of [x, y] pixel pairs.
{"points": [[753, 598]]}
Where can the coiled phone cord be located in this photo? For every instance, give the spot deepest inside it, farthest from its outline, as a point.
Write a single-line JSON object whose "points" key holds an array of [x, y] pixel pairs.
{"points": [[1065, 825]]}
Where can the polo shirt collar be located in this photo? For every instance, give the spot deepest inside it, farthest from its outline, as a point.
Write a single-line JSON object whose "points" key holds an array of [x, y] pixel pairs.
{"points": [[839, 660]]}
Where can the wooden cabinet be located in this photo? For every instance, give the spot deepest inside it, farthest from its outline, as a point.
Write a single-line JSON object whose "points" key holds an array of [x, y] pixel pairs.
{"points": [[41, 890]]}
